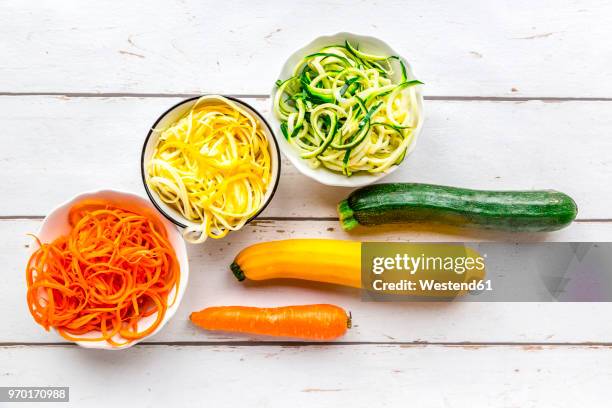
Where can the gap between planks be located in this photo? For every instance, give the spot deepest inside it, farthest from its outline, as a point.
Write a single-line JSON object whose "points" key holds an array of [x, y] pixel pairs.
{"points": [[41, 217], [297, 344], [265, 96]]}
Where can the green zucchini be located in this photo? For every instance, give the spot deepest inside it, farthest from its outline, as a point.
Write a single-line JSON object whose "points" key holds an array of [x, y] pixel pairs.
{"points": [[531, 211]]}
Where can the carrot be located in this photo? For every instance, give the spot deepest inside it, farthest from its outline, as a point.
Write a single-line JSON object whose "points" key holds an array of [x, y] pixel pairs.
{"points": [[112, 269], [309, 322]]}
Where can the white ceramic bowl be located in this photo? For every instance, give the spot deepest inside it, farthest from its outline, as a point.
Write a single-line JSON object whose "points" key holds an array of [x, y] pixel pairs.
{"points": [[171, 116], [56, 224], [322, 175]]}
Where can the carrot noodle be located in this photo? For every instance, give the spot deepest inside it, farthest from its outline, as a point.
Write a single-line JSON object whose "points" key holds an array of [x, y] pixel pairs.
{"points": [[212, 166], [112, 269]]}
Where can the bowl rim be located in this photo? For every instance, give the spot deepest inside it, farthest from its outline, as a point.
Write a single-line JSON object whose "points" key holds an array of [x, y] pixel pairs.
{"points": [[337, 179], [143, 176], [184, 269]]}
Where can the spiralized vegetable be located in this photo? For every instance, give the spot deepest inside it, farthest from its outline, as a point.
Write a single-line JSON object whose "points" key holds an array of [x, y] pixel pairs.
{"points": [[113, 268], [213, 166], [341, 109]]}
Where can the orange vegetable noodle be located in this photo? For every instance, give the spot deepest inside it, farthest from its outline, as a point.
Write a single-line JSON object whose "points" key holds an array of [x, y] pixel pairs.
{"points": [[112, 269]]}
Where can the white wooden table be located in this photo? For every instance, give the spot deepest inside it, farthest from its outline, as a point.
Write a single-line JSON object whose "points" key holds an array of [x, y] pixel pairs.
{"points": [[519, 95]]}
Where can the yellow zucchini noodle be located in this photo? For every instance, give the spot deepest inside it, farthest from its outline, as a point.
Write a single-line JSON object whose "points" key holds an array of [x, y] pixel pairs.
{"points": [[213, 166]]}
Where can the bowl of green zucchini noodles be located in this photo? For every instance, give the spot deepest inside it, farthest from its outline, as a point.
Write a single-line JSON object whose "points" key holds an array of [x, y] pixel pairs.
{"points": [[348, 109]]}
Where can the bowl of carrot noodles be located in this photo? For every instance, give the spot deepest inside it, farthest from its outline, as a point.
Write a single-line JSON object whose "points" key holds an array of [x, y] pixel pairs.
{"points": [[210, 164], [106, 270]]}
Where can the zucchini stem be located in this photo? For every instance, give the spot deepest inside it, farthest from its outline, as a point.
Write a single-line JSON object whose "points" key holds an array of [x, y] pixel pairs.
{"points": [[237, 271], [347, 219]]}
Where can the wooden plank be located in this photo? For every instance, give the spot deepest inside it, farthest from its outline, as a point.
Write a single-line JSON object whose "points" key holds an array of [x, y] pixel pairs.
{"points": [[57, 147], [517, 48], [322, 376], [211, 284]]}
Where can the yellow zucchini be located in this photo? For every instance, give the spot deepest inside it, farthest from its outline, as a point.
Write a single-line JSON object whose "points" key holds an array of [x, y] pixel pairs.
{"points": [[320, 260], [329, 261]]}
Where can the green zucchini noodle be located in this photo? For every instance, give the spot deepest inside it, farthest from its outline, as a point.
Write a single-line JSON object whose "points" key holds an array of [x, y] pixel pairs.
{"points": [[213, 166], [341, 109]]}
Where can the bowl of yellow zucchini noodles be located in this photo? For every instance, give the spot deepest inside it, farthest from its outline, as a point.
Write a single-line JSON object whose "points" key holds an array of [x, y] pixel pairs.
{"points": [[210, 165], [349, 109]]}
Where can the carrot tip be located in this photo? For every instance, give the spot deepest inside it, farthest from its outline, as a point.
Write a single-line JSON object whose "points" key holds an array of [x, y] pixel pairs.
{"points": [[237, 271]]}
